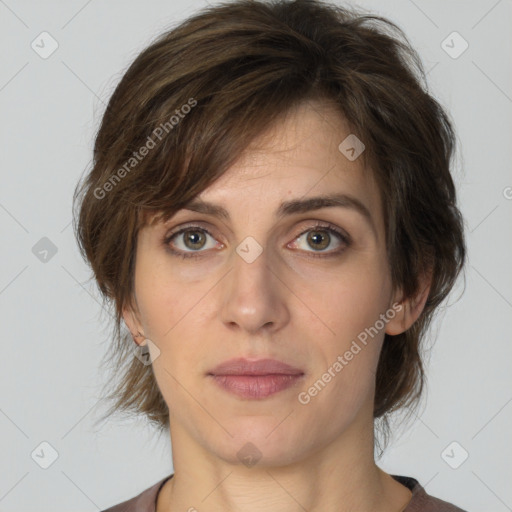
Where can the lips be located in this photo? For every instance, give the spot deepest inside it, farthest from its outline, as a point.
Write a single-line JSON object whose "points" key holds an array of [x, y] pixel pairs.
{"points": [[243, 366], [255, 379]]}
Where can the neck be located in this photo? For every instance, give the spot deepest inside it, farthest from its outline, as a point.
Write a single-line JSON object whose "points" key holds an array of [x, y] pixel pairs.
{"points": [[340, 477]]}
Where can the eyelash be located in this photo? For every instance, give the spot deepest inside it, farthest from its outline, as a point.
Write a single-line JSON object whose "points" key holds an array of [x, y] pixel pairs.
{"points": [[329, 228]]}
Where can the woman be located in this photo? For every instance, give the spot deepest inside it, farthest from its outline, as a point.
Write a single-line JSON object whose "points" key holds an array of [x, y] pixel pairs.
{"points": [[272, 215]]}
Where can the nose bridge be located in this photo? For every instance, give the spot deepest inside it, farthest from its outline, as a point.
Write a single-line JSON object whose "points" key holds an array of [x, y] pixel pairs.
{"points": [[253, 297]]}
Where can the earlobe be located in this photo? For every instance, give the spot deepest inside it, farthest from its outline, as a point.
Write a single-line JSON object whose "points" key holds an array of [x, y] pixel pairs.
{"points": [[134, 326], [410, 310]]}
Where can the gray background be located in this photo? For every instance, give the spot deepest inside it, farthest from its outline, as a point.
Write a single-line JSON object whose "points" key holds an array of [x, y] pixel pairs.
{"points": [[54, 335]]}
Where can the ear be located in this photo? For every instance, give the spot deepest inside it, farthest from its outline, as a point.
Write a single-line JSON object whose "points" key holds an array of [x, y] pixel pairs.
{"points": [[411, 307], [134, 325]]}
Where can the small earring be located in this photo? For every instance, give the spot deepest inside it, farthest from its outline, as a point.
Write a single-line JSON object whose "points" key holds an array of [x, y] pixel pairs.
{"points": [[138, 335]]}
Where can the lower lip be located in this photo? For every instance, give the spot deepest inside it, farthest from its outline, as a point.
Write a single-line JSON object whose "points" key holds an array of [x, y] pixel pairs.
{"points": [[256, 386]]}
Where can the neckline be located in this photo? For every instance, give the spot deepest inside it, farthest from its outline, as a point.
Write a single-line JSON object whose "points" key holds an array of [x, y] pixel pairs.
{"points": [[159, 488], [411, 483]]}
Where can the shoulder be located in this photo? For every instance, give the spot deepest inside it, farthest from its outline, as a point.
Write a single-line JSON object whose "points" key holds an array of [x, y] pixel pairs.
{"points": [[143, 502], [421, 501]]}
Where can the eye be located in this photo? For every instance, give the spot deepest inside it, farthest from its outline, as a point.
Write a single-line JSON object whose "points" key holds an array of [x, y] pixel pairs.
{"points": [[190, 240], [321, 237]]}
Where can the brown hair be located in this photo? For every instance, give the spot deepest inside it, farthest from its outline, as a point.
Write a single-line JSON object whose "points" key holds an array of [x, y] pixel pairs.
{"points": [[203, 91]]}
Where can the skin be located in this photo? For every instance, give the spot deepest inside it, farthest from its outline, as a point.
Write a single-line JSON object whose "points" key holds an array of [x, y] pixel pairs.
{"points": [[288, 305]]}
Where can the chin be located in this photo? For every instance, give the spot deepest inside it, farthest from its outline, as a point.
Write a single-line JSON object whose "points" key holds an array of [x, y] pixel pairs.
{"points": [[259, 441]]}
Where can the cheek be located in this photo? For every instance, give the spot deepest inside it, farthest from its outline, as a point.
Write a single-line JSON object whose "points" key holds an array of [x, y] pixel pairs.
{"points": [[345, 360], [162, 297], [347, 333], [173, 310], [158, 305], [345, 302]]}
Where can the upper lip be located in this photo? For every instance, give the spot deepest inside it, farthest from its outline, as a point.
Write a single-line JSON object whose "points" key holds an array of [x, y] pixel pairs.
{"points": [[242, 366]]}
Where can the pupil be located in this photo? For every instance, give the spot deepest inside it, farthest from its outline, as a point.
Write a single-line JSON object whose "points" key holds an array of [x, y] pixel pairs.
{"points": [[317, 240], [194, 238]]}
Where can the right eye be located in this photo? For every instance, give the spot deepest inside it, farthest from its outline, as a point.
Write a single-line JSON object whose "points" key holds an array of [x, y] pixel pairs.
{"points": [[189, 240]]}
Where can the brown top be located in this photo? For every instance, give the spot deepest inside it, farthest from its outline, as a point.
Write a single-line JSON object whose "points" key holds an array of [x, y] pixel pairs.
{"points": [[420, 501]]}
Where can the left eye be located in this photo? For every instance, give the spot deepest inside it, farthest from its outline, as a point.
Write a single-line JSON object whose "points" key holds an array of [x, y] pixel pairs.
{"points": [[320, 239]]}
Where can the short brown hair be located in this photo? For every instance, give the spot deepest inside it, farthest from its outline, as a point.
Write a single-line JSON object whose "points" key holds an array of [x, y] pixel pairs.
{"points": [[239, 66]]}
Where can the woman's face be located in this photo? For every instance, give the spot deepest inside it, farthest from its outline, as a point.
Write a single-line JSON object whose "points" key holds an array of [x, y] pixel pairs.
{"points": [[276, 276]]}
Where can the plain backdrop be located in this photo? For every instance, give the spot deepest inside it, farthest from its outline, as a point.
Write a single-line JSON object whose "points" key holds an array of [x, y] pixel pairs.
{"points": [[53, 335]]}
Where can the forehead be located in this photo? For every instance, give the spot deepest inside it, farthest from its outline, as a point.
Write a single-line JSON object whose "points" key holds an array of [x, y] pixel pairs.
{"points": [[298, 156]]}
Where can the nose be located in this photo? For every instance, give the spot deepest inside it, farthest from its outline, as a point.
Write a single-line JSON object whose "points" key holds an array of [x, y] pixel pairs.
{"points": [[254, 298]]}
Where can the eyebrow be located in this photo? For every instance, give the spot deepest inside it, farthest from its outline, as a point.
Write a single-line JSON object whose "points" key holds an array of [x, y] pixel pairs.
{"points": [[292, 207]]}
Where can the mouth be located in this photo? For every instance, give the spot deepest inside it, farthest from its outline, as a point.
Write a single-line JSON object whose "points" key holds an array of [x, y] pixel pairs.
{"points": [[255, 379]]}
